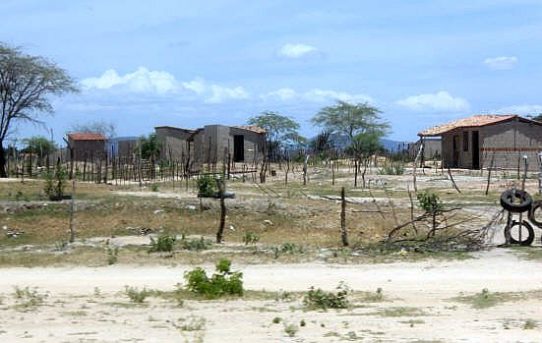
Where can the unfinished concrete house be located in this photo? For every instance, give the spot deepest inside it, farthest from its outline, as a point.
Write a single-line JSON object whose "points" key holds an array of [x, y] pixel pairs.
{"points": [[212, 144], [475, 141], [86, 146]]}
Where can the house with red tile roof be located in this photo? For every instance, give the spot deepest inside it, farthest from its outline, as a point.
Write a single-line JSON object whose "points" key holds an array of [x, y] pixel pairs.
{"points": [[87, 146], [482, 140]]}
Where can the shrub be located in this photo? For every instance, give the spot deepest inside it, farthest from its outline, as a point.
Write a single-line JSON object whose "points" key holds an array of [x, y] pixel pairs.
{"points": [[222, 282], [154, 187], [392, 169], [55, 183], [250, 238], [196, 244], [288, 248], [429, 202], [112, 255], [291, 329], [164, 243], [136, 295], [206, 186], [319, 299]]}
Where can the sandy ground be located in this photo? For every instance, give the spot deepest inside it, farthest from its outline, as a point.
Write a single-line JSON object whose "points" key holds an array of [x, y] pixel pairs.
{"points": [[418, 304]]}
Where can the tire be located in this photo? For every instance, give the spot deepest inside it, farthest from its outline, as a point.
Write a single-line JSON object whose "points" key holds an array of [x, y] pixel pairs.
{"points": [[516, 201], [525, 241], [536, 205]]}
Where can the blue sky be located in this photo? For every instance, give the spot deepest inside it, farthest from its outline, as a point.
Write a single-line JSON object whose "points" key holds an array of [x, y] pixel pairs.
{"points": [[141, 64]]}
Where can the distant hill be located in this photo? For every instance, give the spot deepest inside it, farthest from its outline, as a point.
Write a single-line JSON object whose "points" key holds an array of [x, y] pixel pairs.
{"points": [[341, 141]]}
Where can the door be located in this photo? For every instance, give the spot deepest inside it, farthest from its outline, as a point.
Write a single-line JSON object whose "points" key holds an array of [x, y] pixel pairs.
{"points": [[475, 150], [238, 148], [455, 151]]}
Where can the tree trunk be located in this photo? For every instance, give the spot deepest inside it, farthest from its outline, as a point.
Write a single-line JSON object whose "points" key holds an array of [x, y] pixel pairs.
{"points": [[355, 173], [3, 172], [221, 190]]}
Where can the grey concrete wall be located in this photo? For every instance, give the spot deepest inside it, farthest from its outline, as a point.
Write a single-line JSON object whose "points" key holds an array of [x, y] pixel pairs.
{"points": [[505, 142], [174, 142]]}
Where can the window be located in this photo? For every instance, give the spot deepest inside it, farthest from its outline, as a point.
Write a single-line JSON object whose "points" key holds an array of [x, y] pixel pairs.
{"points": [[465, 141]]}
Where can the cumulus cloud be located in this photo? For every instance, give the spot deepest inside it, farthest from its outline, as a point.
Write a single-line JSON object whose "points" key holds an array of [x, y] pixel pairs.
{"points": [[148, 81], [322, 95], [315, 95], [283, 94], [501, 62], [440, 101], [521, 109], [296, 50], [141, 80]]}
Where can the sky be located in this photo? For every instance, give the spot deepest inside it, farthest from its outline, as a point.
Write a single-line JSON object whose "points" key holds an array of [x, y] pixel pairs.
{"points": [[141, 64]]}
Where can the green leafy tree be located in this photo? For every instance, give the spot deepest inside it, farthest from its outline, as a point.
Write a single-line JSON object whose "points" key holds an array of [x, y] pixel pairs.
{"points": [[26, 85], [280, 130], [361, 124], [40, 146], [150, 147]]}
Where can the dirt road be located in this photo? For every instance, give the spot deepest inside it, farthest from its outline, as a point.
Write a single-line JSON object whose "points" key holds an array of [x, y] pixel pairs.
{"points": [[86, 304]]}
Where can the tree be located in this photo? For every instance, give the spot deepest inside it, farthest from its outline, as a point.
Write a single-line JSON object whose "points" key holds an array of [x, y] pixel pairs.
{"points": [[150, 147], [362, 148], [361, 124], [280, 130], [39, 146], [105, 128], [350, 119], [26, 84]]}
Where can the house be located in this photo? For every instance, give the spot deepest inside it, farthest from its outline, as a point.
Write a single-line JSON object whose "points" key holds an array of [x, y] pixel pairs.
{"points": [[476, 141], [432, 148], [122, 147], [86, 145], [212, 144]]}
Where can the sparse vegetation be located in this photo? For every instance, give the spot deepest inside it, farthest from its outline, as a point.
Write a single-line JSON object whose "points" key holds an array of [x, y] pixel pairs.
{"points": [[223, 282], [164, 243], [250, 237], [28, 298], [206, 186], [195, 244], [55, 183], [137, 295], [291, 329], [319, 299]]}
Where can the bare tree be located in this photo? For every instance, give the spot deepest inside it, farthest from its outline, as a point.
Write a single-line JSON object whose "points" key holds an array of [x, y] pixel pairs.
{"points": [[26, 84], [105, 128]]}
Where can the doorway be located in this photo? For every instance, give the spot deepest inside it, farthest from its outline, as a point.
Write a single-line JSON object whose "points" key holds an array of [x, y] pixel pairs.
{"points": [[475, 150], [238, 148], [455, 152]]}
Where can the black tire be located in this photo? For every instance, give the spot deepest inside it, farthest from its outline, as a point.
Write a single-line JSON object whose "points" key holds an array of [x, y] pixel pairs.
{"points": [[525, 241], [532, 217], [516, 201]]}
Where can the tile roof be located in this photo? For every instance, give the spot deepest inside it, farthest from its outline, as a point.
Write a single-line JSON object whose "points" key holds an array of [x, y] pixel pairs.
{"points": [[252, 128], [86, 136], [474, 121]]}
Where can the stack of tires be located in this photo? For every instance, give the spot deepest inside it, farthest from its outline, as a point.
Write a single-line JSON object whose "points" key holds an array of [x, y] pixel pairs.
{"points": [[518, 201]]}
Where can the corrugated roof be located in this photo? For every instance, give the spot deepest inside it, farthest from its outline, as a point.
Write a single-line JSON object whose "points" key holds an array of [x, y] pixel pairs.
{"points": [[252, 128], [474, 121], [86, 136]]}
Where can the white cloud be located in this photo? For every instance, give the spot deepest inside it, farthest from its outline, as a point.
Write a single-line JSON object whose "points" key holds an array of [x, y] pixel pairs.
{"points": [[220, 94], [440, 101], [322, 95], [141, 80], [315, 95], [501, 62], [521, 109], [283, 94], [296, 50], [148, 81]]}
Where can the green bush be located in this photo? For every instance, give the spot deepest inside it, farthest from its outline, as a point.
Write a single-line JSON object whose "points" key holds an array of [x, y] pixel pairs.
{"points": [[319, 299], [206, 186], [196, 244], [429, 201], [250, 238], [55, 183], [164, 243], [392, 169], [136, 295], [223, 282]]}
